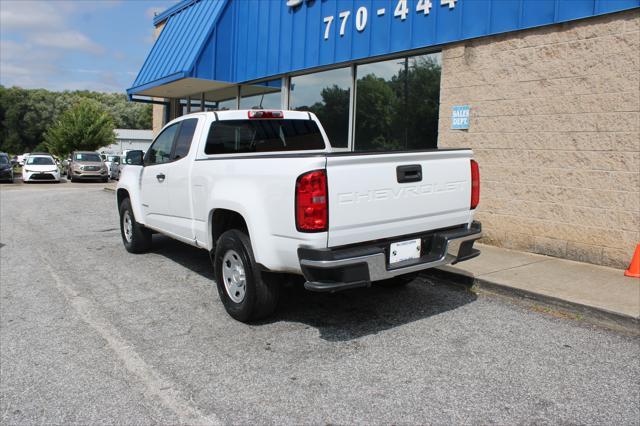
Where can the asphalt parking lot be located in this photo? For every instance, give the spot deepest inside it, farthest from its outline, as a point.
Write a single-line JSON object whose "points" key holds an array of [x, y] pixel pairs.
{"points": [[92, 334]]}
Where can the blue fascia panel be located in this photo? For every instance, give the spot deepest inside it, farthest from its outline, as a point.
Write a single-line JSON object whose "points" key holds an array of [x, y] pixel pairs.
{"points": [[299, 43], [259, 39]]}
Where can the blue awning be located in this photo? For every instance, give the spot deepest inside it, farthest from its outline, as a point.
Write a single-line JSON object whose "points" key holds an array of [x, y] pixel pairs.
{"points": [[188, 26]]}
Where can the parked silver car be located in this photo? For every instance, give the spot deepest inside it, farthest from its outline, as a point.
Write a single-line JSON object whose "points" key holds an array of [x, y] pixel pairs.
{"points": [[113, 165], [87, 165]]}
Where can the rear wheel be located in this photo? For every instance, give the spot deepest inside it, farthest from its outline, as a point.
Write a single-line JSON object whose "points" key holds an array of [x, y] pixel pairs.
{"points": [[246, 293], [136, 238]]}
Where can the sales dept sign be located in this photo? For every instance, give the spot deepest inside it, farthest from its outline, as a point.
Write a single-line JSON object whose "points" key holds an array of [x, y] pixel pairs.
{"points": [[460, 117]]}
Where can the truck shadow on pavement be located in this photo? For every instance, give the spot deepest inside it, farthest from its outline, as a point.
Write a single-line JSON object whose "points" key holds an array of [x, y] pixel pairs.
{"points": [[345, 315], [352, 314]]}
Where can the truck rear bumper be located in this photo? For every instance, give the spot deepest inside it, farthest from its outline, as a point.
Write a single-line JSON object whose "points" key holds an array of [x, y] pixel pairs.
{"points": [[332, 270]]}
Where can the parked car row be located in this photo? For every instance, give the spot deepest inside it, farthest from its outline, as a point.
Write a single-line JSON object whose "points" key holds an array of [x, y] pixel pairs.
{"points": [[81, 165]]}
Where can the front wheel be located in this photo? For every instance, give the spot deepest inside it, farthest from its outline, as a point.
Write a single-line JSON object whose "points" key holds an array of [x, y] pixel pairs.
{"points": [[136, 238], [246, 293]]}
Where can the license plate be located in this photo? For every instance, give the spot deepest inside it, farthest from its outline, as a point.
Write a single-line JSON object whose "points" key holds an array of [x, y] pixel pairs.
{"points": [[404, 250]]}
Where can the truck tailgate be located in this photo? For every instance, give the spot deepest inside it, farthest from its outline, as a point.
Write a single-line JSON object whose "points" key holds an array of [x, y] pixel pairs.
{"points": [[375, 196]]}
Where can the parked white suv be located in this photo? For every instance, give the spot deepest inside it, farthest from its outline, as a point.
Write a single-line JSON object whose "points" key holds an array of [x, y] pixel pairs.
{"points": [[263, 192]]}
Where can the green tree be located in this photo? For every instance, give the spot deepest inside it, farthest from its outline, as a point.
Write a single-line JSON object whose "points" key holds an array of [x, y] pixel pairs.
{"points": [[27, 114], [85, 126]]}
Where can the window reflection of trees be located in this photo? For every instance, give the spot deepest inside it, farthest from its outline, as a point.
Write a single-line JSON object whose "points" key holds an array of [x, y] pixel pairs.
{"points": [[401, 112], [396, 107], [330, 103], [333, 113]]}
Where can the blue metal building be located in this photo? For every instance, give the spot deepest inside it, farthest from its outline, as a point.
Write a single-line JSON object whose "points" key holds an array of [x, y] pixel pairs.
{"points": [[215, 53]]}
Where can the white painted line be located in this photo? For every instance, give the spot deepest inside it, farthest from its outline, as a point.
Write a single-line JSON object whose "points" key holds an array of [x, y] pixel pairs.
{"points": [[156, 385]]}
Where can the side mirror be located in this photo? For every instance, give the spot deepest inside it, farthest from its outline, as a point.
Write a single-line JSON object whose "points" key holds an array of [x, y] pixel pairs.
{"points": [[134, 158]]}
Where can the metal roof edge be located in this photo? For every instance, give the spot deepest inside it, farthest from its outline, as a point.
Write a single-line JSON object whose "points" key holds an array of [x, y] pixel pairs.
{"points": [[164, 80], [172, 10], [223, 5]]}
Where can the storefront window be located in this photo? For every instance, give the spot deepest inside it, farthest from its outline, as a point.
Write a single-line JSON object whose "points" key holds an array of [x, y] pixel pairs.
{"points": [[326, 94], [264, 95], [397, 104], [223, 105]]}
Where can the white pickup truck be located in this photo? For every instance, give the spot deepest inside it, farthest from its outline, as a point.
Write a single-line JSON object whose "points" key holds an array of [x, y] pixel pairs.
{"points": [[265, 194]]}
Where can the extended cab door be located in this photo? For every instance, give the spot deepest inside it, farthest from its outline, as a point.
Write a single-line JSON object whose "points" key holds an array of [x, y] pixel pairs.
{"points": [[178, 176], [153, 189]]}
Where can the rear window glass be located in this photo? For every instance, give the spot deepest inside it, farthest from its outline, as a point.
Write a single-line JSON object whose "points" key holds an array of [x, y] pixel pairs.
{"points": [[246, 136]]}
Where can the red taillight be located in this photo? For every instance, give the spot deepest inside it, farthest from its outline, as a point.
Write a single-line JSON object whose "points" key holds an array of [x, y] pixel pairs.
{"points": [[475, 184], [265, 114], [311, 202]]}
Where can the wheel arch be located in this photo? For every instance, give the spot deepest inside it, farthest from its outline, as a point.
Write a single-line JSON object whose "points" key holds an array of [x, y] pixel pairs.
{"points": [[121, 195], [222, 220]]}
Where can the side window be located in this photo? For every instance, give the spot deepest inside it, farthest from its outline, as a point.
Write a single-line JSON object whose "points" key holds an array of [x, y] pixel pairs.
{"points": [[185, 136], [160, 150]]}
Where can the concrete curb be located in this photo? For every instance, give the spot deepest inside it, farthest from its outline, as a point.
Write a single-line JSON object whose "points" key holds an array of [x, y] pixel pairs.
{"points": [[598, 316]]}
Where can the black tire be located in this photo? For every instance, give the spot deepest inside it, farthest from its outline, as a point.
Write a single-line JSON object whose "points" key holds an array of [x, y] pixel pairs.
{"points": [[261, 293], [396, 282], [105, 180], [139, 239]]}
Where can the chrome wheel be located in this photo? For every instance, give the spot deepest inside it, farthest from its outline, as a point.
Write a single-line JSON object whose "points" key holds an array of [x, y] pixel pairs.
{"points": [[233, 274], [127, 226]]}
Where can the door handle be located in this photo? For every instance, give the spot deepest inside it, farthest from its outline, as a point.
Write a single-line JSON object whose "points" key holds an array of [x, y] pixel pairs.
{"points": [[412, 173], [160, 177]]}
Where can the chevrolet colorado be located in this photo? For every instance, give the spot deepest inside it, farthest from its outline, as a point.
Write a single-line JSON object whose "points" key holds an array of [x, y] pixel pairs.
{"points": [[264, 193]]}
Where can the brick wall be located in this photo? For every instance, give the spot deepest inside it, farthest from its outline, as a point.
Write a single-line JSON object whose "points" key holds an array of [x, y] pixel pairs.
{"points": [[555, 127]]}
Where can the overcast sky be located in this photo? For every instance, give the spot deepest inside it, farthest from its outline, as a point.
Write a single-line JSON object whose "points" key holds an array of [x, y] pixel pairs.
{"points": [[79, 44]]}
